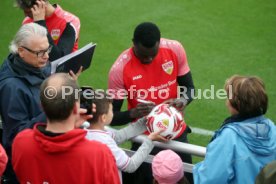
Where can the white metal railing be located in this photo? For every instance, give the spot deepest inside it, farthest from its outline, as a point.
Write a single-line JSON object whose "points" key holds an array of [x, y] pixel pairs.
{"points": [[173, 145], [187, 167]]}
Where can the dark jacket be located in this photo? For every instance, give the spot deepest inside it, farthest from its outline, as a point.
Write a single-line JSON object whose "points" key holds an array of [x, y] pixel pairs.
{"points": [[19, 97]]}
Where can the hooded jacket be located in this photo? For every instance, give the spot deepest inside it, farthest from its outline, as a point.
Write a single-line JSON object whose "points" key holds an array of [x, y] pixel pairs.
{"points": [[19, 96], [238, 152], [65, 158]]}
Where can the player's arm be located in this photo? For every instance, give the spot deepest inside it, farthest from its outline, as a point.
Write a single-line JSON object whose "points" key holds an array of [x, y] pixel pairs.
{"points": [[120, 117], [186, 92], [186, 86], [124, 117]]}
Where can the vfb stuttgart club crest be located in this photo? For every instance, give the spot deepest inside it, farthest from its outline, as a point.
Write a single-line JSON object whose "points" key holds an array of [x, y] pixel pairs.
{"points": [[55, 33], [168, 67]]}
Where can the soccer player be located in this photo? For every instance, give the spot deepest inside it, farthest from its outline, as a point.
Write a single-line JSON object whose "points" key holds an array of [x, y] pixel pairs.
{"points": [[63, 27], [150, 72]]}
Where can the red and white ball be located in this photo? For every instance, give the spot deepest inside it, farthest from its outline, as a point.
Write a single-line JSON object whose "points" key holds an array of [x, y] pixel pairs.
{"points": [[166, 117]]}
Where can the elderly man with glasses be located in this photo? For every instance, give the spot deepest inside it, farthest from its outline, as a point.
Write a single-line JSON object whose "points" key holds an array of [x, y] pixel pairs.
{"points": [[20, 77]]}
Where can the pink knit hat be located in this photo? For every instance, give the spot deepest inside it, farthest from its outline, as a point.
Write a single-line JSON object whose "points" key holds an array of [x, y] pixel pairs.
{"points": [[167, 167]]}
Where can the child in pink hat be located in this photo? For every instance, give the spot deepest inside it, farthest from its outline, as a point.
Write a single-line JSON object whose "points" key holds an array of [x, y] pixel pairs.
{"points": [[167, 168]]}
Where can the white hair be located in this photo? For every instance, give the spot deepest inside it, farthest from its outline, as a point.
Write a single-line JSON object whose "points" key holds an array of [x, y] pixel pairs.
{"points": [[24, 34]]}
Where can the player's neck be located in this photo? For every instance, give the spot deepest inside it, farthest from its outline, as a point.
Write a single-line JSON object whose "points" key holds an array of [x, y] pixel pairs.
{"points": [[49, 10]]}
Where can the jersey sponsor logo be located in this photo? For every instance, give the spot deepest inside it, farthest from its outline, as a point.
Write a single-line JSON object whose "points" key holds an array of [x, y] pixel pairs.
{"points": [[137, 77], [168, 67], [55, 33]]}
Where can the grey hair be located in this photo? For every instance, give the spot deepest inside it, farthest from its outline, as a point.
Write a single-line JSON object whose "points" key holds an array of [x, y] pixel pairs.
{"points": [[24, 34]]}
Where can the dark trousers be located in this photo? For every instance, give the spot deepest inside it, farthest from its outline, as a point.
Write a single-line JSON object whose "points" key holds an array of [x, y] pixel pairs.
{"points": [[9, 176], [143, 175]]}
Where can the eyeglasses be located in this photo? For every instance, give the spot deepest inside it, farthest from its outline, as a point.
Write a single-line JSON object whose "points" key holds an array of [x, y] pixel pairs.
{"points": [[40, 53]]}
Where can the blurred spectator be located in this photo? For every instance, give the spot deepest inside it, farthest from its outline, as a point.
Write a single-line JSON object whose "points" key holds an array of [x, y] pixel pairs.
{"points": [[3, 160], [246, 140], [58, 152], [267, 174], [20, 77], [167, 168]]}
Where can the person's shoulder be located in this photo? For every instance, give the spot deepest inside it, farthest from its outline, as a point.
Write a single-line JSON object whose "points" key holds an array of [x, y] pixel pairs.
{"points": [[124, 58], [68, 16], [24, 136], [227, 132], [96, 147], [93, 134], [168, 43], [27, 20]]}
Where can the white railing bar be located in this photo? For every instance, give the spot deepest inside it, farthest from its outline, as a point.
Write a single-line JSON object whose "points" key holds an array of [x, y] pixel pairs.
{"points": [[187, 167], [173, 145]]}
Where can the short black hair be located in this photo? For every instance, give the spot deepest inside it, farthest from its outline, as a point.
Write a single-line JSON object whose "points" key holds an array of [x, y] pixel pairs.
{"points": [[23, 4], [147, 34], [56, 105]]}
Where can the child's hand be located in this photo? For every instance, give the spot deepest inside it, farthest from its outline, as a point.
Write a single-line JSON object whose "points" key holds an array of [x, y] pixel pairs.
{"points": [[155, 136]]}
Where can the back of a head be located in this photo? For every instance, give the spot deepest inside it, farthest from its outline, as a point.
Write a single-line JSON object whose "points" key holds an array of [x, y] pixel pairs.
{"points": [[23, 4], [58, 95], [147, 34], [24, 34], [268, 174], [247, 95], [167, 167], [102, 102]]}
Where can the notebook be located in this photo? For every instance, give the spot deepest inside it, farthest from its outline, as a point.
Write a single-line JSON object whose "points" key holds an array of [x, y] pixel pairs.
{"points": [[73, 61]]}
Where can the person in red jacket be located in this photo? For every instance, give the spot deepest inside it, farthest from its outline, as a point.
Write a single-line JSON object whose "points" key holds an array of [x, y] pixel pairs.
{"points": [[3, 160], [58, 152], [63, 27]]}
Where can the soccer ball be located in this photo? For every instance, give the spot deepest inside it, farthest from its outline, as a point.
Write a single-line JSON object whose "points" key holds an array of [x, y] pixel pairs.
{"points": [[166, 117]]}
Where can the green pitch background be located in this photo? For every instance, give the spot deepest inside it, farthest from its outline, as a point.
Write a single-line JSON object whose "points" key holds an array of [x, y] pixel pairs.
{"points": [[221, 38]]}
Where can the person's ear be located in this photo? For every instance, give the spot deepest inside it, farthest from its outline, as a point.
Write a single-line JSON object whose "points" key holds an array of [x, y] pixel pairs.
{"points": [[76, 108], [21, 52], [103, 118]]}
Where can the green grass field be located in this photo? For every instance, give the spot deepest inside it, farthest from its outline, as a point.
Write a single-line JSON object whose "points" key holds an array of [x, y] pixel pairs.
{"points": [[221, 38]]}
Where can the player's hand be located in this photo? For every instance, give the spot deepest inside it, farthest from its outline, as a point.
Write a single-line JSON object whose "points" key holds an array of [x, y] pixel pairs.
{"points": [[142, 109], [178, 103], [155, 136], [75, 76], [39, 10]]}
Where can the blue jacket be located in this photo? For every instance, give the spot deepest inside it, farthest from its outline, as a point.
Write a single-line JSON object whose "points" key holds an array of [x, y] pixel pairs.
{"points": [[238, 152], [19, 97]]}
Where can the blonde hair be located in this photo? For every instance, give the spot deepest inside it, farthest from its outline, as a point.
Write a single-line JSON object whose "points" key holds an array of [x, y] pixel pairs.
{"points": [[247, 95]]}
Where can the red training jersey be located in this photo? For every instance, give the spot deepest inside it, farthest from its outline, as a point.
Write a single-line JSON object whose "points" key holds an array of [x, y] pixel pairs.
{"points": [[56, 24], [156, 81]]}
